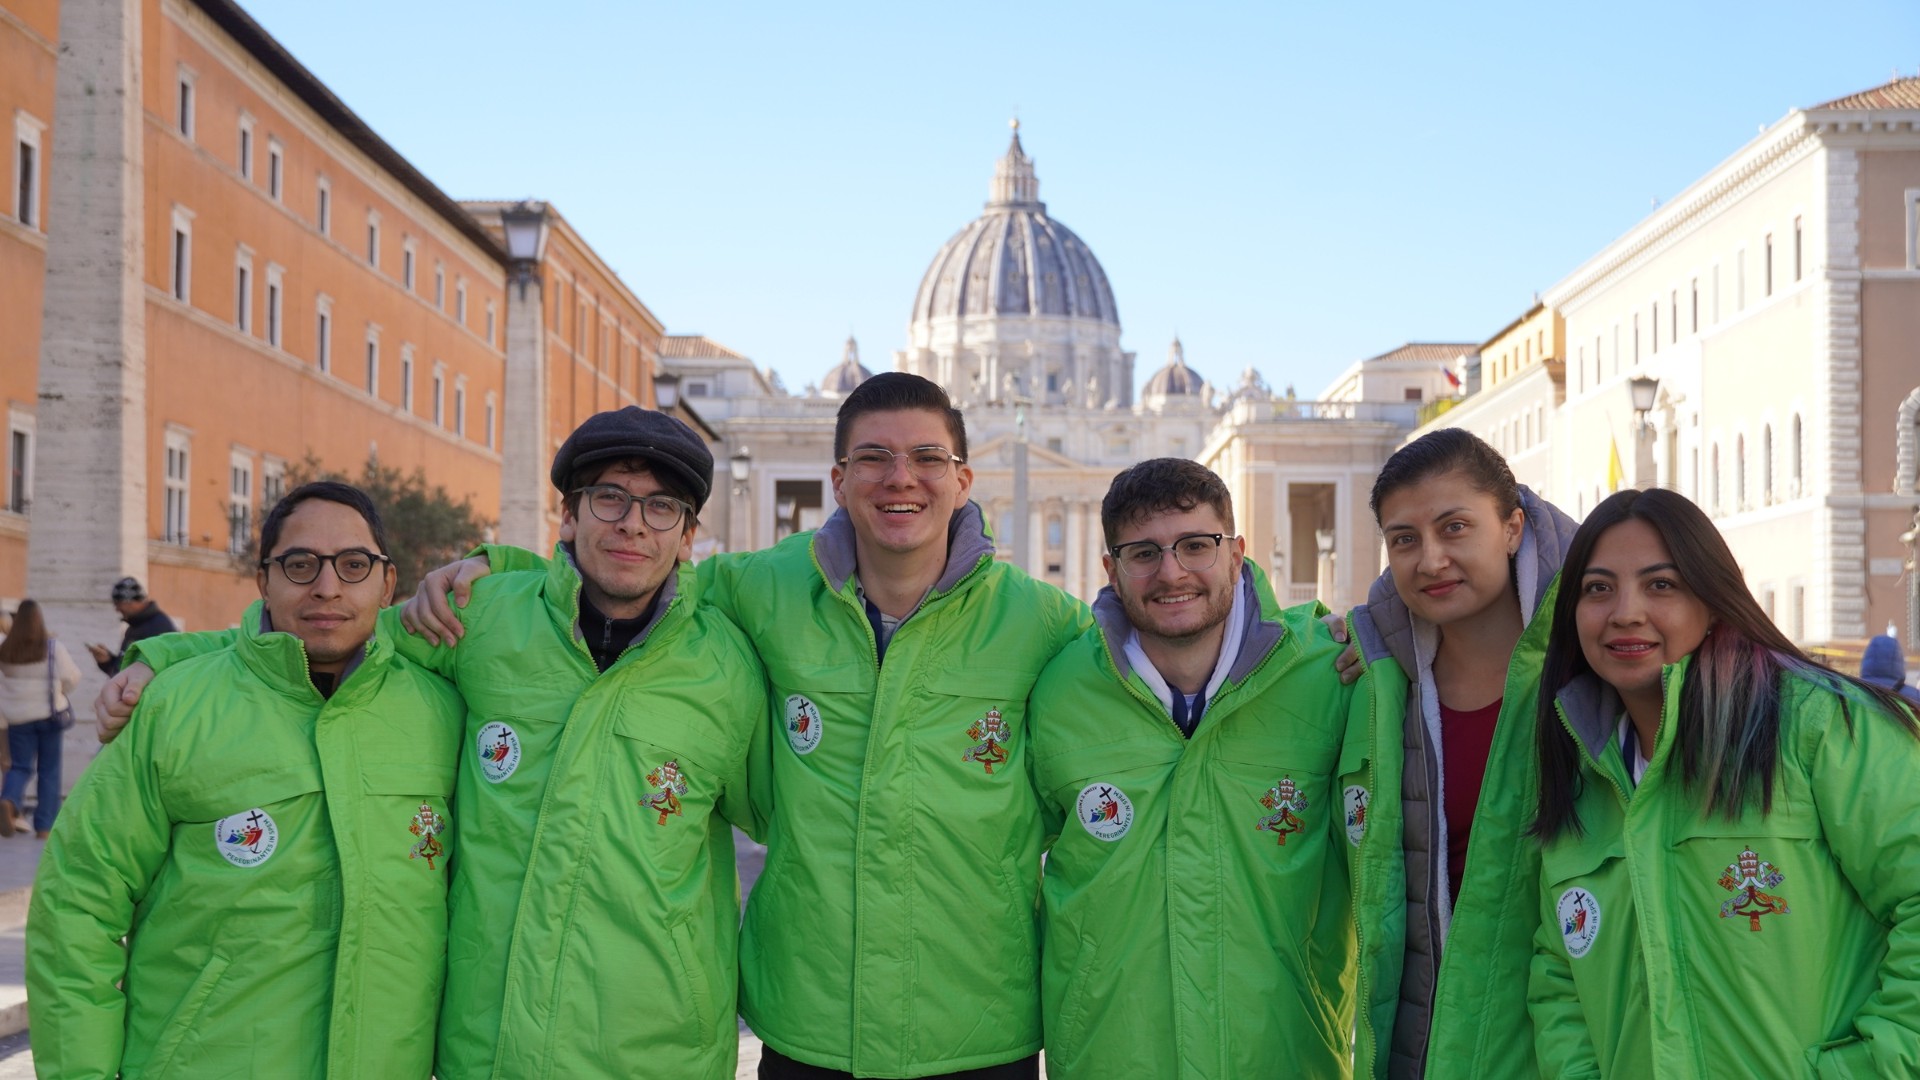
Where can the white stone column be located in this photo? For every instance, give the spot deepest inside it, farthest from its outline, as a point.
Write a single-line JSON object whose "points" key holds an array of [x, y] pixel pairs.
{"points": [[1036, 542], [89, 515], [525, 457], [1078, 548]]}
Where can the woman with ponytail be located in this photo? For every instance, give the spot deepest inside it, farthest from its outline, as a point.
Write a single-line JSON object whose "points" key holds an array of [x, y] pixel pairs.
{"points": [[1730, 878], [1438, 788]]}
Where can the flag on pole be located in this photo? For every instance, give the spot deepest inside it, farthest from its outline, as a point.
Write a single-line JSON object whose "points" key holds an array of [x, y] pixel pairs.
{"points": [[1616, 473]]}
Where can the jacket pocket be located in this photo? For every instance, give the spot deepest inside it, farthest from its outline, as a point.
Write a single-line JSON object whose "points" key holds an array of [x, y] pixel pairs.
{"points": [[183, 1022], [699, 990]]}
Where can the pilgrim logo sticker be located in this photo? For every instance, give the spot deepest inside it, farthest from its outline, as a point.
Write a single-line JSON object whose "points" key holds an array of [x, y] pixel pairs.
{"points": [[499, 748], [1579, 912], [1104, 811], [246, 839], [989, 734], [1745, 877], [804, 725], [1287, 804], [1357, 800], [428, 826], [671, 785]]}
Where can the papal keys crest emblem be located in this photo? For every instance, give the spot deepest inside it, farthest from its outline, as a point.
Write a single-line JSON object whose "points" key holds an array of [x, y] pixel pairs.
{"points": [[1747, 877], [428, 826], [1286, 804], [990, 741], [670, 785]]}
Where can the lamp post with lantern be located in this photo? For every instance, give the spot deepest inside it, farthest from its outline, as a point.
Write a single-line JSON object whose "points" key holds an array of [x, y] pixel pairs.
{"points": [[523, 436], [1644, 390]]}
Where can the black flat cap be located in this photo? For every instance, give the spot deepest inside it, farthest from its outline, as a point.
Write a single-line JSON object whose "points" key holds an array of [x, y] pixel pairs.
{"points": [[670, 446]]}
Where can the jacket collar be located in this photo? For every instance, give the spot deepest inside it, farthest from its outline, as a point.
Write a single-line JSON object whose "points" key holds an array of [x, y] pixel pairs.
{"points": [[280, 659], [969, 545], [1387, 627], [1262, 630], [562, 594], [1592, 708]]}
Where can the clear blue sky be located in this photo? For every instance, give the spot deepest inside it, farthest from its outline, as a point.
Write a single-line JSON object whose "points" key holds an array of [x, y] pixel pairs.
{"points": [[1289, 186]]}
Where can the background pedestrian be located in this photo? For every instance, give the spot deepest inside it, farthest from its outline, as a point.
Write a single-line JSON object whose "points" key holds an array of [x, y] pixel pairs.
{"points": [[36, 675]]}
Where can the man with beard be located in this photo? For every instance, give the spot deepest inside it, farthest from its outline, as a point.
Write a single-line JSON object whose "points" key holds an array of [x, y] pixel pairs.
{"points": [[1197, 914]]}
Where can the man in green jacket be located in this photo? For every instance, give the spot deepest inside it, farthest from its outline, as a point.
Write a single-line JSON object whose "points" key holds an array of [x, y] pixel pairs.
{"points": [[1187, 750], [595, 903], [272, 840], [893, 931]]}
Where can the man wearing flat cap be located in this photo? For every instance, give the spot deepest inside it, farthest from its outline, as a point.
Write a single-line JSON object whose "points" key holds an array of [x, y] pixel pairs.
{"points": [[594, 908], [143, 617]]}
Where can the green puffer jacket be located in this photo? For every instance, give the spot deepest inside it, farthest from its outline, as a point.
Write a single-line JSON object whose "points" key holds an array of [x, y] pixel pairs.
{"points": [[893, 932], [1672, 943], [1443, 988], [278, 863], [594, 905], [1197, 918]]}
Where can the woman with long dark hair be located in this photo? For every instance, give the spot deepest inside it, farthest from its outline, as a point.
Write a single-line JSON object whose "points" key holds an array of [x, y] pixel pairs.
{"points": [[1731, 864], [36, 675], [1440, 791]]}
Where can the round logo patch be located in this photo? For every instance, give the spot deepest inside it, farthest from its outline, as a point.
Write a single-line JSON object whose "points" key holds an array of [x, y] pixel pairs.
{"points": [[1105, 811], [804, 725], [499, 749], [246, 839], [1357, 799], [1579, 912]]}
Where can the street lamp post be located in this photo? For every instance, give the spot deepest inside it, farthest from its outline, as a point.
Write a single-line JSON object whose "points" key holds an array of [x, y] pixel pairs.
{"points": [[739, 467], [666, 391], [524, 446], [1643, 389]]}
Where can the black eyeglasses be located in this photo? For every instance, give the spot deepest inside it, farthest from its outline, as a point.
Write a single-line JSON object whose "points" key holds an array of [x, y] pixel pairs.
{"points": [[610, 503], [871, 464], [302, 567], [1142, 557]]}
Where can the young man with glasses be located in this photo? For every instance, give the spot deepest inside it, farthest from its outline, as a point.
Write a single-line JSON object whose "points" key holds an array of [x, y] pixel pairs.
{"points": [[271, 839], [595, 904], [893, 930], [1186, 749]]}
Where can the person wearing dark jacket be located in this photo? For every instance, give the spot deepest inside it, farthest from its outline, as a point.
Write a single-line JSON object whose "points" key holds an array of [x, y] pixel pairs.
{"points": [[143, 617], [1884, 666]]}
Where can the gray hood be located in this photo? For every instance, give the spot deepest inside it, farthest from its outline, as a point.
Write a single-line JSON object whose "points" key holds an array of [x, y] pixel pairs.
{"points": [[968, 542], [1258, 637]]}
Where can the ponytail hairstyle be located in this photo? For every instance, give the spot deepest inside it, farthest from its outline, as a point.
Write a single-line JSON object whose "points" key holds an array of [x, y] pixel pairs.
{"points": [[1728, 741], [1438, 453]]}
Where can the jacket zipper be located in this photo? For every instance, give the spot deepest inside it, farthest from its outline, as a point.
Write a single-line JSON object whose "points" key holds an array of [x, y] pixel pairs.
{"points": [[1364, 1001]]}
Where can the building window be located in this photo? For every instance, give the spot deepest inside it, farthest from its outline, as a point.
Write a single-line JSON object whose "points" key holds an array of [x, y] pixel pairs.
{"points": [[273, 482], [490, 326], [1794, 461], [373, 239], [1740, 280], [182, 255], [243, 290], [1766, 464], [323, 334], [1636, 339], [1673, 316], [460, 406], [439, 286], [174, 524], [323, 206], [27, 134], [239, 502], [19, 462], [1769, 266], [489, 418], [1653, 339], [1739, 472], [274, 291], [406, 378], [406, 263], [245, 151], [184, 115], [1796, 249], [1411, 393], [1797, 616], [439, 395], [276, 162], [460, 302], [373, 362], [1693, 306], [1713, 481], [1913, 228]]}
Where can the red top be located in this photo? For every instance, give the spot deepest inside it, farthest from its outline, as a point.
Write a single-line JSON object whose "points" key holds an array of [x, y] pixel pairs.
{"points": [[1466, 738]]}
